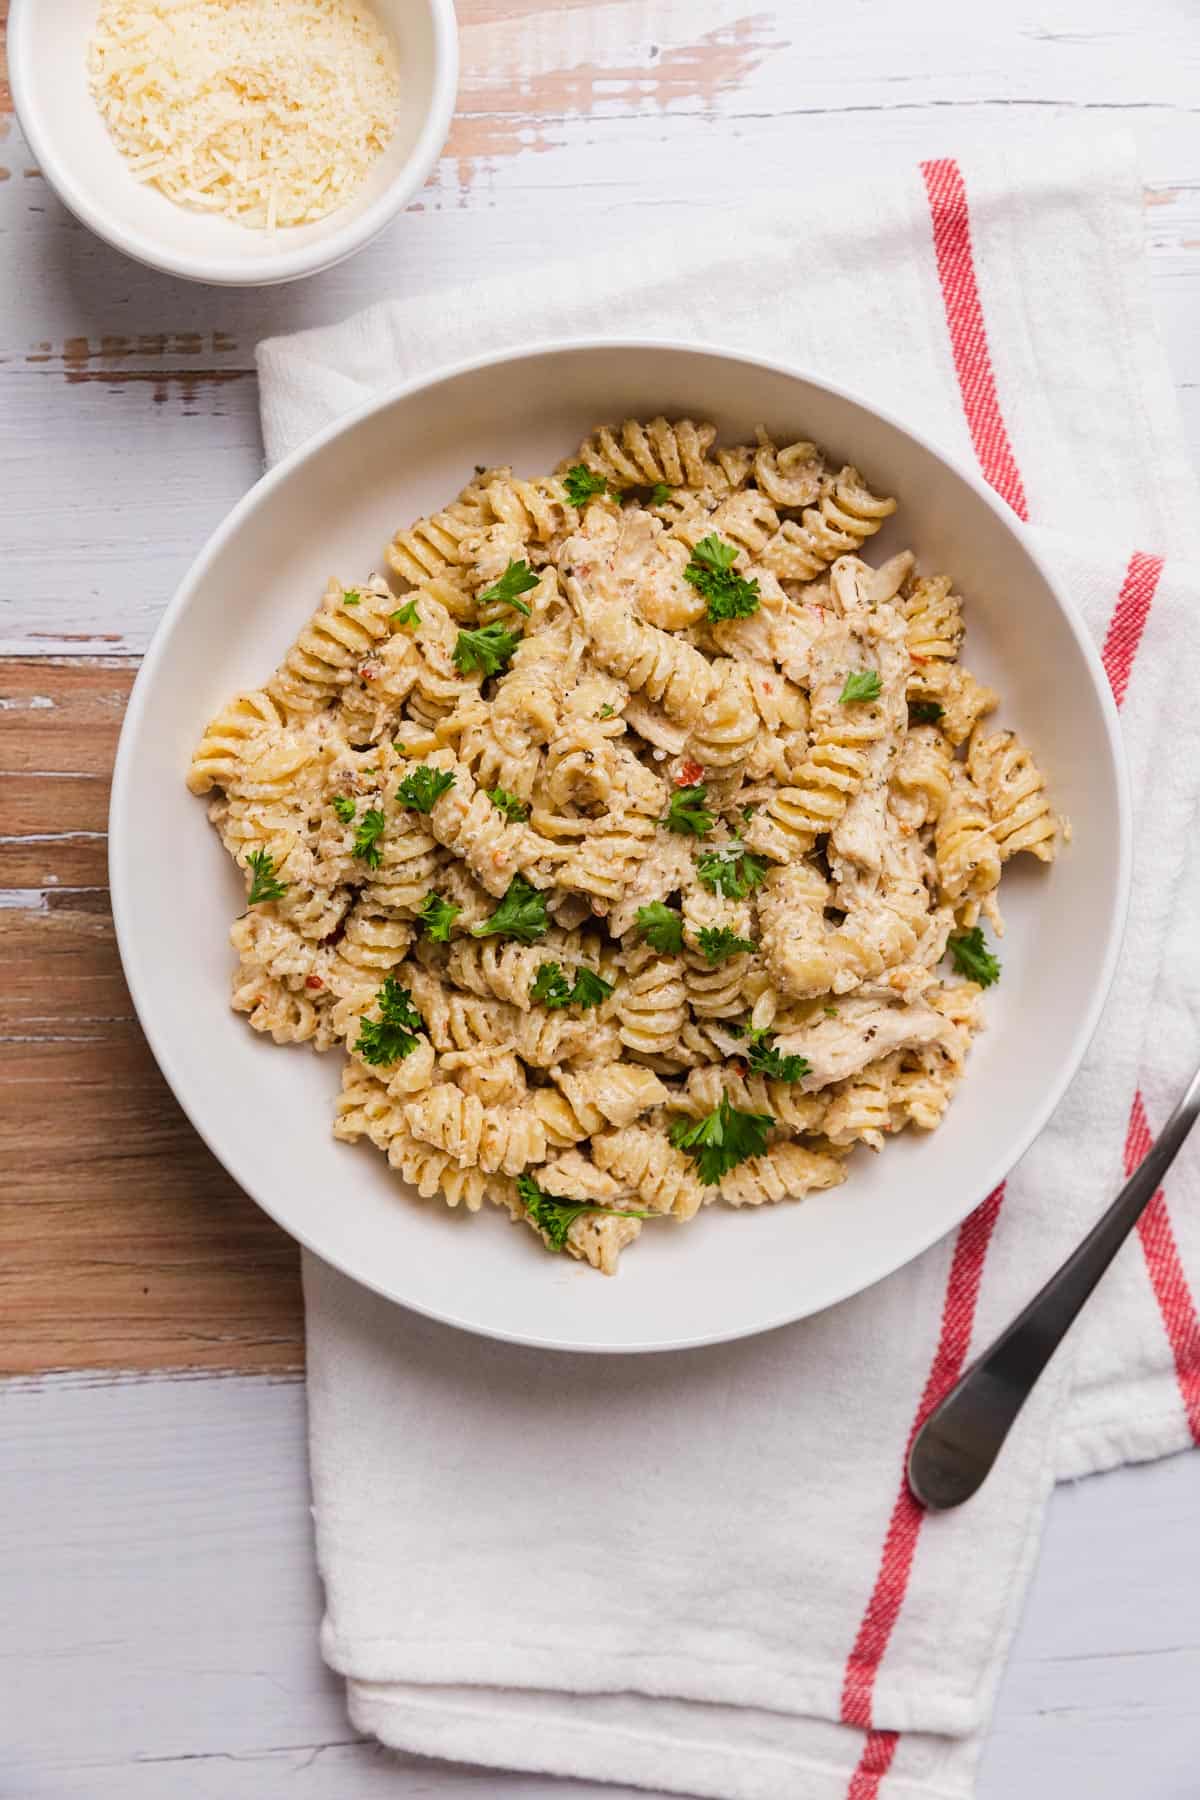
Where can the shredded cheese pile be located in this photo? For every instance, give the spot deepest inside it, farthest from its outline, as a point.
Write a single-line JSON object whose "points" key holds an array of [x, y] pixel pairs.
{"points": [[269, 111]]}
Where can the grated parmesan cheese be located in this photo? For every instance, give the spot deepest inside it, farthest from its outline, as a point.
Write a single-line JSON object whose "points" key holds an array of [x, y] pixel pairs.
{"points": [[268, 111]]}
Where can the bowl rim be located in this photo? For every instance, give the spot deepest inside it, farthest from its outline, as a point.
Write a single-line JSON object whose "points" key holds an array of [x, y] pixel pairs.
{"points": [[251, 271], [138, 971]]}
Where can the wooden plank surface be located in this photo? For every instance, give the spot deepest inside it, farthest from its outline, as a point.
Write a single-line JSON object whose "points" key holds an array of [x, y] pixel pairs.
{"points": [[123, 1243]]}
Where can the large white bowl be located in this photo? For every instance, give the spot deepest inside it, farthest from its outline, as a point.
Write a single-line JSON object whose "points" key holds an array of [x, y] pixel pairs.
{"points": [[47, 58], [329, 510]]}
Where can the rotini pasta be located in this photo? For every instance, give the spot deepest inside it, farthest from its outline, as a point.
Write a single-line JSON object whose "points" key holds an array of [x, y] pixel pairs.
{"points": [[619, 843]]}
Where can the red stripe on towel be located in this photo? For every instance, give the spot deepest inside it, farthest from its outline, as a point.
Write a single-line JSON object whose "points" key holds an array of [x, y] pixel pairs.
{"points": [[891, 1583], [1164, 1265], [1165, 1268], [874, 1764], [1129, 620], [951, 219]]}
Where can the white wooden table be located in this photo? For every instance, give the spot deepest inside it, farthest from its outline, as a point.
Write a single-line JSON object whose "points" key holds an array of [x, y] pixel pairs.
{"points": [[159, 1604]]}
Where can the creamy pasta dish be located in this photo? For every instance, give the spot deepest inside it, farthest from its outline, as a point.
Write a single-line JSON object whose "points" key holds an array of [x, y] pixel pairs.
{"points": [[635, 842]]}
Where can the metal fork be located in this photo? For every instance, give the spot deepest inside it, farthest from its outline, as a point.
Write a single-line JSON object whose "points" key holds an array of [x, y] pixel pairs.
{"points": [[963, 1435]]}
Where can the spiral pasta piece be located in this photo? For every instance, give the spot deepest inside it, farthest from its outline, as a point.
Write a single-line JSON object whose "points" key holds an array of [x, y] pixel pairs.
{"points": [[434, 546], [1014, 787], [786, 1172], [475, 1135], [664, 667], [847, 514], [968, 860], [661, 1177], [652, 1002], [227, 739], [933, 619], [636, 455], [581, 1104], [346, 627]]}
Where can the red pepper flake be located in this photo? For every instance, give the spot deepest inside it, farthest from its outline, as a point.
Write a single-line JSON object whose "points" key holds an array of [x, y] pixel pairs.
{"points": [[689, 774], [369, 671], [916, 658], [313, 981], [739, 1069]]}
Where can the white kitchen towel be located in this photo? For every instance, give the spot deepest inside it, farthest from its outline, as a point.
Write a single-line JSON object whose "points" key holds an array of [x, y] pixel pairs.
{"points": [[700, 1572]]}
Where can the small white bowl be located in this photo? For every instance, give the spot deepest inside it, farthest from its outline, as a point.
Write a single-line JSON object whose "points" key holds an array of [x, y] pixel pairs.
{"points": [[329, 509], [47, 55]]}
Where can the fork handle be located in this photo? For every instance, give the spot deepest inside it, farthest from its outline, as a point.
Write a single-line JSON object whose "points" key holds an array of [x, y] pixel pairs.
{"points": [[960, 1440]]}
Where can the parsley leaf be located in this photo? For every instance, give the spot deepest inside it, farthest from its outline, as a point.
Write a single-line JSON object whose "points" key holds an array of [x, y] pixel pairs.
{"points": [[722, 1139], [516, 580], [590, 989], [864, 684], [972, 957], [661, 928], [711, 572], [719, 943], [554, 1217], [924, 712], [351, 597], [405, 615], [489, 649], [731, 870], [344, 807], [263, 886], [762, 1058], [660, 493], [550, 987], [367, 833], [521, 914], [508, 804], [583, 484], [423, 785], [393, 1034], [687, 812], [607, 711], [437, 916]]}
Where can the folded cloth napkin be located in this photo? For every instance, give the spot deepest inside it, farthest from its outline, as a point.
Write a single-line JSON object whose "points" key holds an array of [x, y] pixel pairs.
{"points": [[699, 1572]]}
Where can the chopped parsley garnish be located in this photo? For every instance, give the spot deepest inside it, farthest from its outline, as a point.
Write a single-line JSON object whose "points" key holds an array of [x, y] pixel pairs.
{"points": [[521, 915], [344, 807], [748, 813], [660, 493], [972, 957], [864, 684], [405, 615], [393, 1034], [762, 1058], [730, 869], [711, 572], [590, 989], [516, 580], [719, 943], [367, 833], [550, 987], [583, 484], [508, 804], [263, 886], [831, 1012], [925, 712], [722, 1139], [423, 785], [489, 649], [661, 928], [687, 812], [607, 711], [437, 916], [351, 597], [554, 1217]]}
